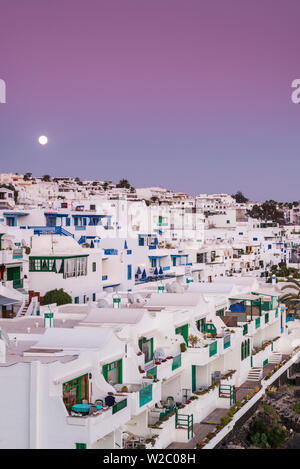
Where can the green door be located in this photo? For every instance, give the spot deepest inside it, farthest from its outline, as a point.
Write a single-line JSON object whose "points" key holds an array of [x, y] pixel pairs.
{"points": [[146, 346], [113, 372], [184, 331], [13, 273], [75, 391], [193, 378]]}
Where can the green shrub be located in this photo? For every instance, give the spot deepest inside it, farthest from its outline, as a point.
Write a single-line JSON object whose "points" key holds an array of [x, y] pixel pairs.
{"points": [[183, 347], [296, 407], [60, 297]]}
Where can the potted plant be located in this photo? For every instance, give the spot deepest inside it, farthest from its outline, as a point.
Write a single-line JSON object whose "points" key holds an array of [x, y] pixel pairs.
{"points": [[193, 340], [183, 347]]}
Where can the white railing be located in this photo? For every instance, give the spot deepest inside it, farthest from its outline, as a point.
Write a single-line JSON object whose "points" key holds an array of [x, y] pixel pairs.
{"points": [[30, 308], [21, 307]]}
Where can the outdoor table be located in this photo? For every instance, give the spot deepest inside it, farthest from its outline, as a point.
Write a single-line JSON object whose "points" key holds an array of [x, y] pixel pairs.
{"points": [[84, 408]]}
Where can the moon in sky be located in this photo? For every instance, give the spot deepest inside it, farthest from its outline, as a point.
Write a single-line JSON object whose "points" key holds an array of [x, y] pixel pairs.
{"points": [[43, 140]]}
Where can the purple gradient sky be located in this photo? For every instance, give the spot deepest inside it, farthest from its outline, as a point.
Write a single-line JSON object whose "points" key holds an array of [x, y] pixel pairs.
{"points": [[193, 95]]}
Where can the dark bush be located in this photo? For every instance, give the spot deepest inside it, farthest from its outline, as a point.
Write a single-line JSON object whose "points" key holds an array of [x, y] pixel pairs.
{"points": [[60, 297]]}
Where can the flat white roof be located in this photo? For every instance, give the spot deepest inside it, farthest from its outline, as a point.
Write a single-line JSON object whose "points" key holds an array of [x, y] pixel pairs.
{"points": [[75, 338], [114, 316], [174, 299]]}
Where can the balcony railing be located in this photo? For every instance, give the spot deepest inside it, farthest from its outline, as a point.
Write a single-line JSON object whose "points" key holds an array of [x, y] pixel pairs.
{"points": [[18, 283], [266, 306], [176, 362], [17, 253], [227, 341], [213, 348], [266, 318], [152, 371], [145, 395], [119, 406], [110, 252]]}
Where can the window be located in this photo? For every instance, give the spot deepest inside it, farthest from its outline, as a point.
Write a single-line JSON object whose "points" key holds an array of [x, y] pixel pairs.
{"points": [[10, 221], [75, 267], [94, 266], [129, 271], [201, 324], [184, 331], [146, 346], [113, 372], [245, 349], [75, 390]]}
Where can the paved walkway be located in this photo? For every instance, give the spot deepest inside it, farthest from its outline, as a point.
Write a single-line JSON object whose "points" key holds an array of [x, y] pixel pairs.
{"points": [[202, 429], [210, 422]]}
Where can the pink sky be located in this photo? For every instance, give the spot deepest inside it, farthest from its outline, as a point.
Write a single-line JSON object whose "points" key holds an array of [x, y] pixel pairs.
{"points": [[137, 89]]}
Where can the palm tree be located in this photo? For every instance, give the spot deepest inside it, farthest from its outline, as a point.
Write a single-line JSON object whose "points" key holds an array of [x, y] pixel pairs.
{"points": [[292, 299]]}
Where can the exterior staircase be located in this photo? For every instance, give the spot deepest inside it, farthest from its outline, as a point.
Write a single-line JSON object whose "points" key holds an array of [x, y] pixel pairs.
{"points": [[276, 357], [255, 374], [25, 307]]}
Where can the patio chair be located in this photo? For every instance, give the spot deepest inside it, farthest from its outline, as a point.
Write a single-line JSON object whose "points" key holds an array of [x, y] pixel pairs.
{"points": [[110, 401], [99, 402], [92, 409], [170, 401]]}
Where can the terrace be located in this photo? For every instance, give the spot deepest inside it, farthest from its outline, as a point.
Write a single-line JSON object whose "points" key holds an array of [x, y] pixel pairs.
{"points": [[138, 395], [99, 420]]}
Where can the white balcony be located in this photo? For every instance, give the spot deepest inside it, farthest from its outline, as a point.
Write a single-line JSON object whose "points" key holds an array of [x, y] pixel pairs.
{"points": [[8, 256], [141, 397], [90, 428]]}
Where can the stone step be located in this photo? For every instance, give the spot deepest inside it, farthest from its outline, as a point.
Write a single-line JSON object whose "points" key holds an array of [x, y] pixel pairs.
{"points": [[255, 374], [275, 358]]}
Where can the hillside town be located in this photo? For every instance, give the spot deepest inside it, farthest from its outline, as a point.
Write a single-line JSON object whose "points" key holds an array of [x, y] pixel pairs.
{"points": [[140, 317]]}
